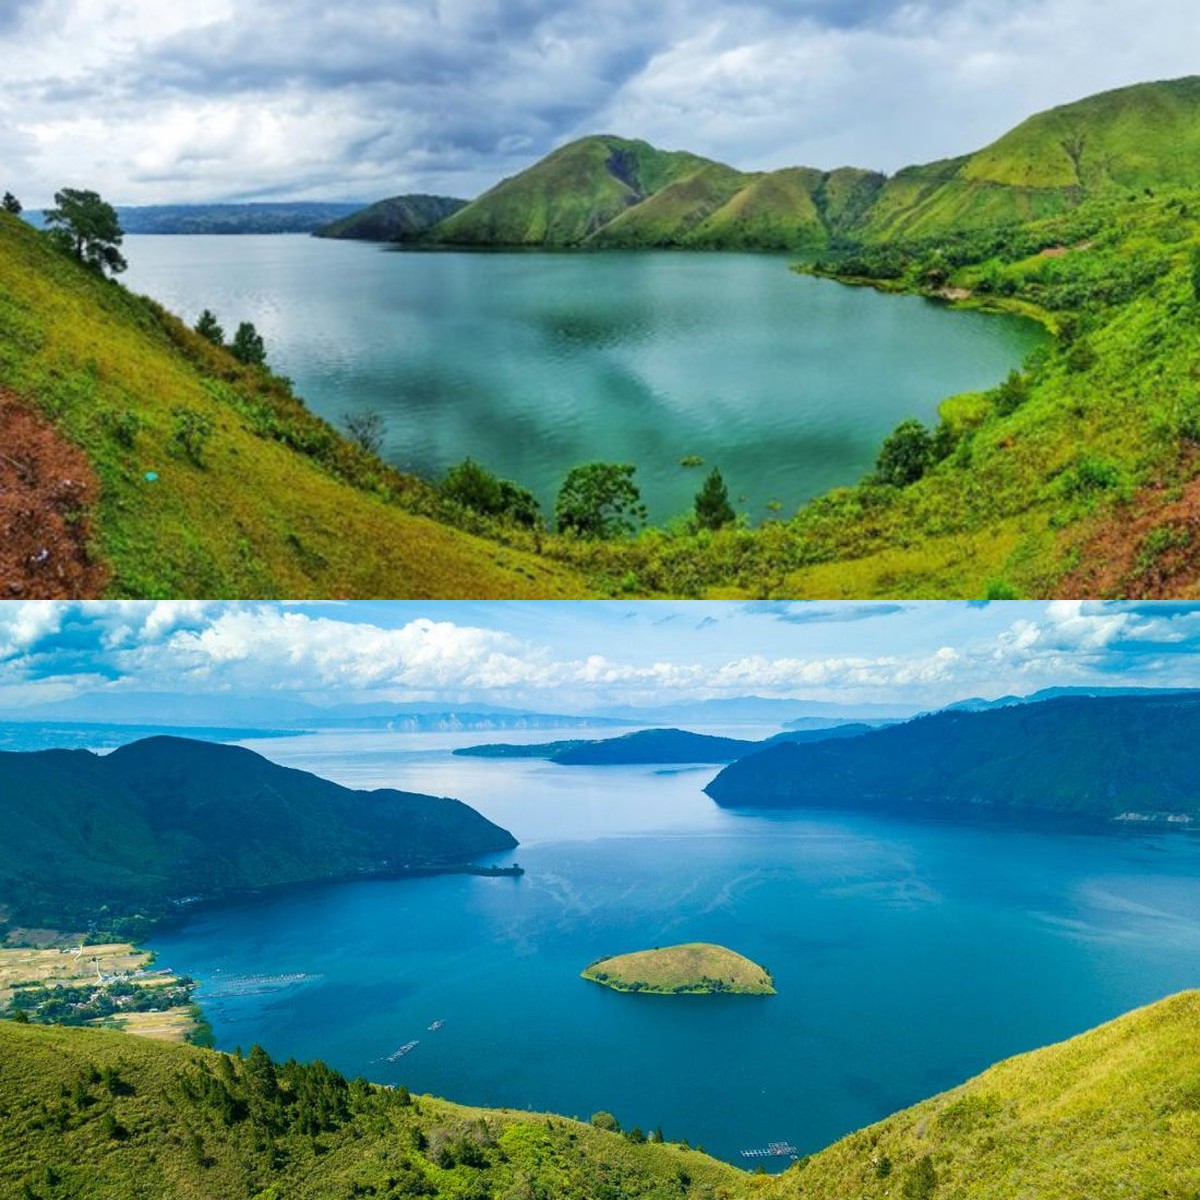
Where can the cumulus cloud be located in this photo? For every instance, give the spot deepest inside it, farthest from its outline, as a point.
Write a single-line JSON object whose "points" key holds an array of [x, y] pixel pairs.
{"points": [[922, 654], [222, 99]]}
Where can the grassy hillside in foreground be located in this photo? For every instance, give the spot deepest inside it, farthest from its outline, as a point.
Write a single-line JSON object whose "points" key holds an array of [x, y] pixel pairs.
{"points": [[106, 1116], [95, 840], [1114, 1112], [696, 968], [272, 503]]}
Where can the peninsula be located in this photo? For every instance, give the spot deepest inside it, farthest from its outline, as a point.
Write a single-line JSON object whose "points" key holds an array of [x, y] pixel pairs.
{"points": [[694, 968]]}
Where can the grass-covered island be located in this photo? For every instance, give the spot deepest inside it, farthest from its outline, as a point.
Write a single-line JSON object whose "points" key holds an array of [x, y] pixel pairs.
{"points": [[695, 968]]}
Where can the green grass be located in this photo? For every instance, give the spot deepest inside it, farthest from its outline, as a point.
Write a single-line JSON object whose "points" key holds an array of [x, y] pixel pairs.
{"points": [[280, 504], [110, 1116], [567, 196], [695, 967], [1115, 1112]]}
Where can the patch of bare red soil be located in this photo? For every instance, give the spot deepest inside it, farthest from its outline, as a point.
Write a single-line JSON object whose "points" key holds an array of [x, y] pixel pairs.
{"points": [[1148, 550], [46, 488]]}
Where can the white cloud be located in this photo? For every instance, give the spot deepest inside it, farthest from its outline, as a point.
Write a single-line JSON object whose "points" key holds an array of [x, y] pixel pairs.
{"points": [[156, 102]]}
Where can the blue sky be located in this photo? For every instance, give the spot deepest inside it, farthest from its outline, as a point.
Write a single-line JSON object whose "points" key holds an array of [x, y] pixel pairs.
{"points": [[572, 656], [220, 99]]}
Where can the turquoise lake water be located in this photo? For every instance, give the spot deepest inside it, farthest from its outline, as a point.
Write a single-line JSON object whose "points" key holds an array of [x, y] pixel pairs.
{"points": [[908, 955], [532, 363]]}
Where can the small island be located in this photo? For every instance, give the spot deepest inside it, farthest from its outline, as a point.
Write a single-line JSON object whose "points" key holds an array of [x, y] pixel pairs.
{"points": [[695, 968]]}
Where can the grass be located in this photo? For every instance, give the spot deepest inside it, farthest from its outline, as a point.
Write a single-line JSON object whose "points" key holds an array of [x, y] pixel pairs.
{"points": [[276, 504], [1115, 1112], [103, 1116], [694, 967]]}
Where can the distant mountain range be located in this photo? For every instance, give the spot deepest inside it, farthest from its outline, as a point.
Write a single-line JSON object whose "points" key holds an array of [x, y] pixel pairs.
{"points": [[90, 841], [296, 216], [606, 191], [1100, 758]]}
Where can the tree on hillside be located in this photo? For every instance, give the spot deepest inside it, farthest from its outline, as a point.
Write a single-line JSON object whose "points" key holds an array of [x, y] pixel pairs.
{"points": [[248, 346], [599, 500], [365, 429], [905, 455], [11, 204], [209, 327], [87, 227], [712, 503], [473, 486]]}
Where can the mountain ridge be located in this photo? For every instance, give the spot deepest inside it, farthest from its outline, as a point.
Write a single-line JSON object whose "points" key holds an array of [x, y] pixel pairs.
{"points": [[604, 191], [97, 840]]}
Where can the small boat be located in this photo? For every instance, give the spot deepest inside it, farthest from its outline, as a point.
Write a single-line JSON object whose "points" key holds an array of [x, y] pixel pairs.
{"points": [[436, 1026], [401, 1052]]}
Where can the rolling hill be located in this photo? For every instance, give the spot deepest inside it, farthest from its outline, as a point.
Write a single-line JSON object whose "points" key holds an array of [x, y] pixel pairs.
{"points": [[202, 477], [1032, 759], [1142, 137], [109, 1116], [94, 840], [396, 219], [611, 192], [567, 196]]}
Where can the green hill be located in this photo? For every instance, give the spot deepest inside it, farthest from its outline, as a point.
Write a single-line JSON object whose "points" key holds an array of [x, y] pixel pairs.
{"points": [[1026, 758], [109, 1116], [93, 840], [1144, 136], [252, 494], [397, 219], [1114, 1112], [567, 196]]}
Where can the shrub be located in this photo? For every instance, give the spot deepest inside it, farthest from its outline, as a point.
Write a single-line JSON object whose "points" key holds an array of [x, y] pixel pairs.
{"points": [[906, 454], [190, 431]]}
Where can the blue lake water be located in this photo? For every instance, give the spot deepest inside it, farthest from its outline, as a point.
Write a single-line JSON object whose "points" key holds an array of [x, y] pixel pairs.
{"points": [[532, 363], [908, 955]]}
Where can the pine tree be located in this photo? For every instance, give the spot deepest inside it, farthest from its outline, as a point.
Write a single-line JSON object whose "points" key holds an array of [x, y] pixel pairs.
{"points": [[210, 328], [712, 503]]}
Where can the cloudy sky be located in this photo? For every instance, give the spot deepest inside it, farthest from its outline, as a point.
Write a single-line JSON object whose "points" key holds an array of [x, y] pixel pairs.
{"points": [[574, 656], [258, 99]]}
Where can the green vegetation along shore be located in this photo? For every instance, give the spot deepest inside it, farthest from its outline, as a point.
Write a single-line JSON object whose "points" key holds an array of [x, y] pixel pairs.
{"points": [[106, 1116], [694, 968]]}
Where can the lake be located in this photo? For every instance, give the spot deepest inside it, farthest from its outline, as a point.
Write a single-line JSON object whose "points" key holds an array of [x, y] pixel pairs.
{"points": [[908, 955], [534, 362]]}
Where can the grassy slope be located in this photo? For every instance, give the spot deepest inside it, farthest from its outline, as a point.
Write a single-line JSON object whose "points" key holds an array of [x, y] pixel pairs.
{"points": [[259, 519], [1146, 136], [1114, 1112], [1108, 415], [567, 196], [55, 1125], [687, 968]]}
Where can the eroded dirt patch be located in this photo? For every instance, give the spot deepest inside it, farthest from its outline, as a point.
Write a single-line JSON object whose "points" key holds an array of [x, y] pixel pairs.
{"points": [[46, 488], [1149, 550]]}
